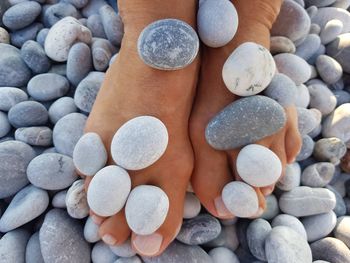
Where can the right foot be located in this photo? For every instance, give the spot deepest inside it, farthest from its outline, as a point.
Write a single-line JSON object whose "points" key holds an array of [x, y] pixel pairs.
{"points": [[132, 89]]}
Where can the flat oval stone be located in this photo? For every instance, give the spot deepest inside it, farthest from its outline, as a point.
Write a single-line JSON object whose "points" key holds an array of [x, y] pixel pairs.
{"points": [[342, 229], [14, 158], [303, 96], [102, 52], [86, 92], [63, 35], [79, 63], [109, 190], [331, 30], [330, 249], [240, 199], [102, 253], [18, 38], [306, 201], [168, 44], [291, 178], [90, 154], [314, 29], [212, 16], [292, 22], [57, 231], [192, 206], [67, 132], [285, 245], [280, 44], [319, 226], [27, 204], [199, 230], [34, 56], [318, 174], [291, 222], [293, 66], [112, 24], [339, 50], [306, 121], [146, 209], [21, 15], [28, 113], [139, 143], [329, 69], [39, 90], [76, 202], [223, 255], [308, 47], [59, 199], [33, 251], [124, 250], [258, 165], [52, 171], [330, 149], [5, 126], [13, 246], [60, 108], [94, 23], [10, 96], [282, 89], [249, 69], [91, 229], [257, 233], [35, 136], [245, 121]]}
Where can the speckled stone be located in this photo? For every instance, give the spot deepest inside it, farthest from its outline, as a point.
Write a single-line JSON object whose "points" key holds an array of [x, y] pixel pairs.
{"points": [[293, 66], [329, 69], [18, 38], [139, 143], [192, 206], [244, 122], [109, 190], [94, 23], [285, 245], [27, 204], [35, 136], [5, 126], [212, 17], [318, 174], [330, 249], [307, 147], [4, 36], [292, 22], [76, 202], [339, 49], [14, 158], [282, 89], [59, 230], [280, 44], [272, 208], [146, 209], [102, 52], [91, 229], [87, 90], [168, 44], [13, 246], [178, 252], [79, 62], [330, 149], [303, 96], [59, 199], [257, 233], [33, 251], [331, 30], [306, 201], [34, 56], [240, 199], [342, 229], [67, 132], [199, 230], [124, 250], [112, 24], [223, 255], [319, 226], [58, 11], [28, 113], [308, 47], [60, 108], [291, 179], [63, 35], [291, 222], [101, 253], [21, 15], [340, 207], [51, 171]]}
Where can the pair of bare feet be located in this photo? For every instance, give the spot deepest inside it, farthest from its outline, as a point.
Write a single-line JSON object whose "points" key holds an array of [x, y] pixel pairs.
{"points": [[185, 100]]}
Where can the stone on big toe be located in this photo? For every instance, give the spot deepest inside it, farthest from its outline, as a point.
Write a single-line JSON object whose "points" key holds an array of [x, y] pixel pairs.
{"points": [[89, 154], [245, 121], [168, 44], [139, 143], [108, 190], [249, 69], [211, 17], [258, 165], [240, 199], [146, 209]]}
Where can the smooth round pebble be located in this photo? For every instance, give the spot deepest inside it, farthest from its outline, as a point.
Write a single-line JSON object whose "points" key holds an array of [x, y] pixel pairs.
{"points": [[223, 255], [306, 121], [291, 222], [291, 179], [318, 174], [139, 143], [102, 52], [319, 226], [309, 46], [307, 148], [192, 206], [134, 259], [79, 63], [227, 238], [303, 96], [18, 38], [13, 246], [340, 207], [91, 229], [329, 69], [257, 232], [35, 136], [56, 12], [330, 249], [101, 253], [10, 96], [34, 56], [33, 251], [94, 23], [124, 250], [76, 202], [21, 15], [60, 108], [59, 199], [282, 89], [112, 24], [168, 44], [28, 113], [339, 49], [146, 209]]}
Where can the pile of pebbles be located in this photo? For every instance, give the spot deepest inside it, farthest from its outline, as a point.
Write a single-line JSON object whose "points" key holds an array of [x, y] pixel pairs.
{"points": [[53, 55]]}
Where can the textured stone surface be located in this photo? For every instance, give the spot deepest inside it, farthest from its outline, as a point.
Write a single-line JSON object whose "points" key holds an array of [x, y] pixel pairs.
{"points": [[21, 15], [244, 122], [36, 136], [329, 149], [33, 251], [10, 96], [112, 24], [34, 56], [291, 222], [168, 44], [257, 233], [330, 249], [61, 108], [13, 246], [319, 226], [318, 174], [76, 202]]}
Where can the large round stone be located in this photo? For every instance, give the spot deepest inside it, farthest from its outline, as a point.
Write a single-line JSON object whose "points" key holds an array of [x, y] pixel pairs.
{"points": [[28, 113]]}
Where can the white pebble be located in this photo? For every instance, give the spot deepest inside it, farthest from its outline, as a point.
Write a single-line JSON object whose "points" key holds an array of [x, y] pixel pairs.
{"points": [[192, 206], [91, 229]]}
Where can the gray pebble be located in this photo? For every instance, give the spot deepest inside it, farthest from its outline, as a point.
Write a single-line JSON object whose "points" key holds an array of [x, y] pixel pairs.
{"points": [[76, 202], [329, 69], [319, 3], [330, 249], [342, 97], [318, 174], [59, 199], [280, 44], [102, 52], [344, 4], [342, 229], [168, 44], [257, 233], [340, 208], [312, 10], [13, 246], [18, 38], [78, 3], [94, 23], [62, 240], [61, 108], [21, 15], [192, 206], [41, 36], [338, 49], [285, 245], [241, 123], [101, 253], [91, 229], [27, 204], [272, 208], [28, 113], [314, 29], [33, 251], [92, 7], [79, 62], [282, 89], [307, 148], [199, 230], [223, 255], [330, 149], [319, 226], [331, 30], [227, 238], [4, 36], [60, 69], [14, 158], [306, 121], [124, 250], [87, 90], [68, 131], [35, 136], [51, 171], [303, 96], [306, 201], [308, 47], [291, 179], [112, 24], [291, 222], [324, 15], [34, 56], [5, 126], [58, 11], [4, 5]]}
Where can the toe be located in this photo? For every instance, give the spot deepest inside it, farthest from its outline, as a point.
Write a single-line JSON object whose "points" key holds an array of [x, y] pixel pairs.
{"points": [[293, 139], [278, 147], [114, 230], [267, 190]]}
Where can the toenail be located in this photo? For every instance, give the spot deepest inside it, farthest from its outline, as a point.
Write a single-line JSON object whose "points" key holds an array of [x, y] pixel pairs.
{"points": [[96, 219], [109, 240], [148, 245], [221, 209]]}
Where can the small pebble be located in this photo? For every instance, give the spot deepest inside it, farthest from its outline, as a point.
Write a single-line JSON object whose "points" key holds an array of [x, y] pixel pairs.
{"points": [[272, 208], [257, 232], [307, 147], [102, 52], [21, 15], [112, 24], [329, 149], [322, 98], [282, 89], [280, 44], [59, 199], [291, 222], [33, 251], [330, 249], [94, 23], [133, 259], [60, 108], [331, 30], [34, 56], [79, 3], [41, 36], [76, 202], [342, 229], [28, 113], [10, 96], [101, 253], [227, 238], [318, 174], [124, 250], [13, 246], [79, 63], [342, 96], [329, 69], [340, 207], [319, 226], [338, 49], [308, 47], [306, 121], [5, 126], [314, 29], [324, 15], [291, 179], [223, 255], [91, 229], [192, 206], [35, 136], [92, 7]]}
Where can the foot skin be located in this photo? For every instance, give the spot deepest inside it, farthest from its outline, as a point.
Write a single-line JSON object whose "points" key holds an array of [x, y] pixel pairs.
{"points": [[214, 169], [132, 89]]}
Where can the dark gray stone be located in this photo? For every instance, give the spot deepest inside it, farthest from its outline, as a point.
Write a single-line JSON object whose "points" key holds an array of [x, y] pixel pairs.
{"points": [[94, 23], [342, 96], [58, 11], [102, 52], [18, 38], [78, 3], [35, 57], [319, 226], [93, 7], [79, 63], [168, 44], [282, 89], [13, 246], [4, 5], [33, 251], [245, 121], [330, 249], [308, 47], [35, 136], [28, 113], [62, 240], [61, 108], [307, 148], [257, 233], [112, 24]]}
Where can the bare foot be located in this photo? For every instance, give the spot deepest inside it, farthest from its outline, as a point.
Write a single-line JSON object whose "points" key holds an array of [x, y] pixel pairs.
{"points": [[131, 89], [213, 168]]}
